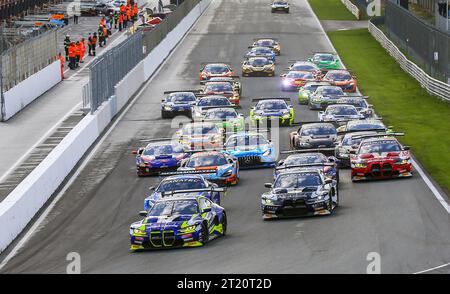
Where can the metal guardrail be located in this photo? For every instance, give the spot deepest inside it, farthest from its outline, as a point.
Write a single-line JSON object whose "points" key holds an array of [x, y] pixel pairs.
{"points": [[433, 86], [352, 8]]}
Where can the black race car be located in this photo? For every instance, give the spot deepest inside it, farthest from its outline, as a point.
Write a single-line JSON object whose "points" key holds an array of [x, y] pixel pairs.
{"points": [[314, 135]]}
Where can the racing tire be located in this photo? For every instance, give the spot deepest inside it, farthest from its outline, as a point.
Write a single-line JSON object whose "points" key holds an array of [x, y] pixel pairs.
{"points": [[224, 224], [337, 177], [164, 114], [287, 11], [205, 234], [330, 204], [218, 200]]}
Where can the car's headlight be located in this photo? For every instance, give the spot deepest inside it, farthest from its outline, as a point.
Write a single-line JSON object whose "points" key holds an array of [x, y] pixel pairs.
{"points": [[286, 115], [360, 165], [188, 229], [402, 162], [267, 153], [138, 231], [227, 173], [167, 107], [266, 201]]}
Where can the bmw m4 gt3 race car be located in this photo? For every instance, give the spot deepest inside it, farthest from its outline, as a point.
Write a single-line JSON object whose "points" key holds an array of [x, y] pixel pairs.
{"points": [[293, 80], [304, 159], [262, 52], [341, 78], [200, 136], [267, 42], [324, 96], [204, 103], [258, 66], [221, 168], [360, 103], [349, 144], [177, 102], [225, 118], [159, 155], [225, 89], [315, 135], [176, 181], [305, 66], [380, 157], [280, 6], [300, 193], [234, 80], [326, 61], [218, 69], [178, 221], [251, 149], [339, 113], [305, 92], [272, 108]]}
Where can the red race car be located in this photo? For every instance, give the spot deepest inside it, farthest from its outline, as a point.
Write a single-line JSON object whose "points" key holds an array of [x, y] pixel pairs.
{"points": [[210, 70], [223, 89], [342, 78], [380, 157], [293, 80]]}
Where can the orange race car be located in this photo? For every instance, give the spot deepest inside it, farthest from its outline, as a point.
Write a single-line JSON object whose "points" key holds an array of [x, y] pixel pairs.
{"points": [[210, 70], [341, 78]]}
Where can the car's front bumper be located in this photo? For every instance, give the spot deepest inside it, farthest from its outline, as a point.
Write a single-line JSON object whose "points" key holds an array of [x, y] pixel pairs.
{"points": [[282, 211], [380, 171]]}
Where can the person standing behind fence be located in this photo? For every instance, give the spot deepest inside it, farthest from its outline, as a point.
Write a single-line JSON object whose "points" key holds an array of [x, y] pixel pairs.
{"points": [[82, 48], [125, 20], [102, 21], [101, 38], [61, 60], [135, 11], [77, 53], [108, 28], [90, 44], [129, 13], [94, 43], [116, 20], [66, 46], [72, 55], [120, 21]]}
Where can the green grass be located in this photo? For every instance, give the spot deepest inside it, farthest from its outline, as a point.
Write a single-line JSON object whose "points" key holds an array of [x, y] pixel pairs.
{"points": [[331, 10], [400, 100]]}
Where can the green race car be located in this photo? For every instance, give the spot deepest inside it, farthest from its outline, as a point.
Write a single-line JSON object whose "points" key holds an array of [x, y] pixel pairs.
{"points": [[225, 118], [272, 108], [304, 93], [326, 61]]}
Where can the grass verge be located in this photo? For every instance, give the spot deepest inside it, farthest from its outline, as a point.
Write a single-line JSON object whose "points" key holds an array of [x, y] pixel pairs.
{"points": [[400, 100], [331, 10]]}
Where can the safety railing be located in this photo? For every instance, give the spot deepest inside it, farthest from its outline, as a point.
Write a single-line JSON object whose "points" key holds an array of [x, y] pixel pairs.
{"points": [[352, 8]]}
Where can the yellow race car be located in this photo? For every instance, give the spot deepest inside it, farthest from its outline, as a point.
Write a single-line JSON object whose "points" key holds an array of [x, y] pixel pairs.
{"points": [[258, 66]]}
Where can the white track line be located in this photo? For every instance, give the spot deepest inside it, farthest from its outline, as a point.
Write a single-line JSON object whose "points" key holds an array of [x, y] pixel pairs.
{"points": [[432, 269], [72, 179]]}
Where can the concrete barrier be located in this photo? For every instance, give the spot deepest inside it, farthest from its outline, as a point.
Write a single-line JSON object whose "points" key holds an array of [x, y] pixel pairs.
{"points": [[32, 193], [31, 88]]}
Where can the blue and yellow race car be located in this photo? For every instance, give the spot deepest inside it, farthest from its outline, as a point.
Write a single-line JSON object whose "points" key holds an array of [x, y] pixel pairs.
{"points": [[177, 102], [184, 220], [251, 149], [272, 108]]}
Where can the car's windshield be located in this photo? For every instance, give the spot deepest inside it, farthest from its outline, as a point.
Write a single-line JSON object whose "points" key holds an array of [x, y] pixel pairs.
{"points": [[180, 184], [355, 102], [298, 180], [343, 110], [194, 130], [299, 75], [218, 87], [181, 207], [322, 130], [331, 91], [311, 87], [303, 66], [247, 140], [221, 114], [218, 101], [165, 149], [305, 159], [324, 57], [338, 76], [380, 146], [258, 62], [181, 97], [271, 105], [265, 43], [207, 160], [216, 69], [359, 126], [262, 50]]}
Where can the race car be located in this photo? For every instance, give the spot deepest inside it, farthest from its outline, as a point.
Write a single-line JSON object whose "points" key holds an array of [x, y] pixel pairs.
{"points": [[380, 157], [234, 80], [349, 144], [326, 61], [267, 42], [301, 192], [280, 6], [302, 160], [178, 221], [360, 103], [270, 108], [341, 78], [362, 125], [261, 52], [251, 149], [225, 89], [305, 92], [210, 70], [324, 96], [225, 118], [258, 66], [315, 135], [305, 66], [222, 168], [176, 181], [200, 136], [159, 155], [293, 80], [339, 113], [177, 103], [203, 103]]}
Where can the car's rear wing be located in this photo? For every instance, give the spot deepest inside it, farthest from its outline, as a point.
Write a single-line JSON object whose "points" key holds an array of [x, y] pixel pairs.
{"points": [[221, 79], [323, 52], [379, 135], [304, 165], [157, 140], [211, 190], [188, 172], [325, 151], [183, 91], [271, 98], [301, 123], [361, 131], [219, 106]]}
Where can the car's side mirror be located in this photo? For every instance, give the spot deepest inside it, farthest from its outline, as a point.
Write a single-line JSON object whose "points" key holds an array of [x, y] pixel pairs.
{"points": [[152, 188], [281, 162], [268, 185], [282, 75], [143, 213], [207, 209], [163, 100], [406, 148], [328, 181], [332, 159]]}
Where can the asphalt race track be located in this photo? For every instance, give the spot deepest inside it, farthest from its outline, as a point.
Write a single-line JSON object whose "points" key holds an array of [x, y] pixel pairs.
{"points": [[399, 219]]}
